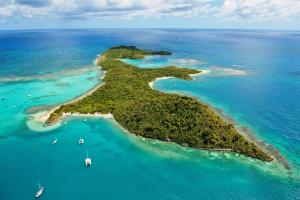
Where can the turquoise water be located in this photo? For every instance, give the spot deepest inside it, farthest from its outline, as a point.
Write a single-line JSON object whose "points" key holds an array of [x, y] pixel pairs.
{"points": [[254, 78], [17, 97]]}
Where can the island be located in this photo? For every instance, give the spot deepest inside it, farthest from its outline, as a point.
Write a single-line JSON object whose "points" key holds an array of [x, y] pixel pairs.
{"points": [[149, 113]]}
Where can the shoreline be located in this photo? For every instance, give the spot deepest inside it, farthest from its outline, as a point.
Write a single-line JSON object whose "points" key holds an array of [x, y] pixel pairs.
{"points": [[251, 137], [44, 117], [101, 115], [201, 72], [151, 84], [246, 132]]}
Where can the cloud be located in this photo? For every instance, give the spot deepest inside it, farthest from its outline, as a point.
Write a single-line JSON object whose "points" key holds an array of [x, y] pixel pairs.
{"points": [[128, 9], [77, 9], [261, 9], [5, 12]]}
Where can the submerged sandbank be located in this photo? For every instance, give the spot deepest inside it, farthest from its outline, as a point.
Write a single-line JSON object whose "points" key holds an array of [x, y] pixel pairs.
{"points": [[48, 76], [226, 71], [39, 114]]}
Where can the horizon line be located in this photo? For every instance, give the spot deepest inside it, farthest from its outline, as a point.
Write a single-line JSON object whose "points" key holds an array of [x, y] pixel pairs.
{"points": [[169, 28]]}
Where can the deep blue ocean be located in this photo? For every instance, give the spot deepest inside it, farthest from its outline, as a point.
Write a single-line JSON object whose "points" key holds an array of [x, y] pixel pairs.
{"points": [[253, 77]]}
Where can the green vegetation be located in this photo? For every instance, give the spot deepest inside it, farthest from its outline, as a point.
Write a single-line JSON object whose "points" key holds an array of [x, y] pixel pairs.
{"points": [[152, 114]]}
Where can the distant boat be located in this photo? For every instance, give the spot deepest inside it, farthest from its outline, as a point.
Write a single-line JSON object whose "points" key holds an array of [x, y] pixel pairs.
{"points": [[54, 141], [29, 95], [88, 160], [85, 120], [81, 141], [40, 191]]}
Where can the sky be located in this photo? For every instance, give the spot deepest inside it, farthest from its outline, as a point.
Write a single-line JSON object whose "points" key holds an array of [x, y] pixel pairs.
{"points": [[222, 14]]}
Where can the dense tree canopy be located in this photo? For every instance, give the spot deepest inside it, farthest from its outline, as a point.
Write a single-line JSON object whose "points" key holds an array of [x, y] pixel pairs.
{"points": [[153, 114]]}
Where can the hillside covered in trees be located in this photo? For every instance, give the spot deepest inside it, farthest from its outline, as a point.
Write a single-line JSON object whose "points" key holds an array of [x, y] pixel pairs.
{"points": [[149, 113]]}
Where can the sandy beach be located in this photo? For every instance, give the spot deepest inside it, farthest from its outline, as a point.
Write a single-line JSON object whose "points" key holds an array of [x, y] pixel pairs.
{"points": [[105, 116], [202, 72], [41, 117], [151, 84]]}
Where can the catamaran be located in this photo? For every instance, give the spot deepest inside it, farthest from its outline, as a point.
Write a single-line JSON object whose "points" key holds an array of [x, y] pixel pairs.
{"points": [[81, 141], [40, 191], [88, 160]]}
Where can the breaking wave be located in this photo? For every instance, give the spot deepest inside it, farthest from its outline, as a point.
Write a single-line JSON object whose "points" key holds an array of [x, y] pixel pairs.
{"points": [[183, 61], [225, 71]]}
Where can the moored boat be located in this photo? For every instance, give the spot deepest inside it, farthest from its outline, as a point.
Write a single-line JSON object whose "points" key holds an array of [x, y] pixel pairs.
{"points": [[54, 141], [81, 141], [39, 192], [88, 160]]}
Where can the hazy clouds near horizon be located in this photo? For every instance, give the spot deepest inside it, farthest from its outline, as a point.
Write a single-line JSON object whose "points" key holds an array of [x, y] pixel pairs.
{"points": [[228, 11]]}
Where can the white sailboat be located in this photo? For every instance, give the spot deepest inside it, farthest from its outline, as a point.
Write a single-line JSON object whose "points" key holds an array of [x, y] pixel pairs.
{"points": [[54, 141], [40, 191], [88, 160]]}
